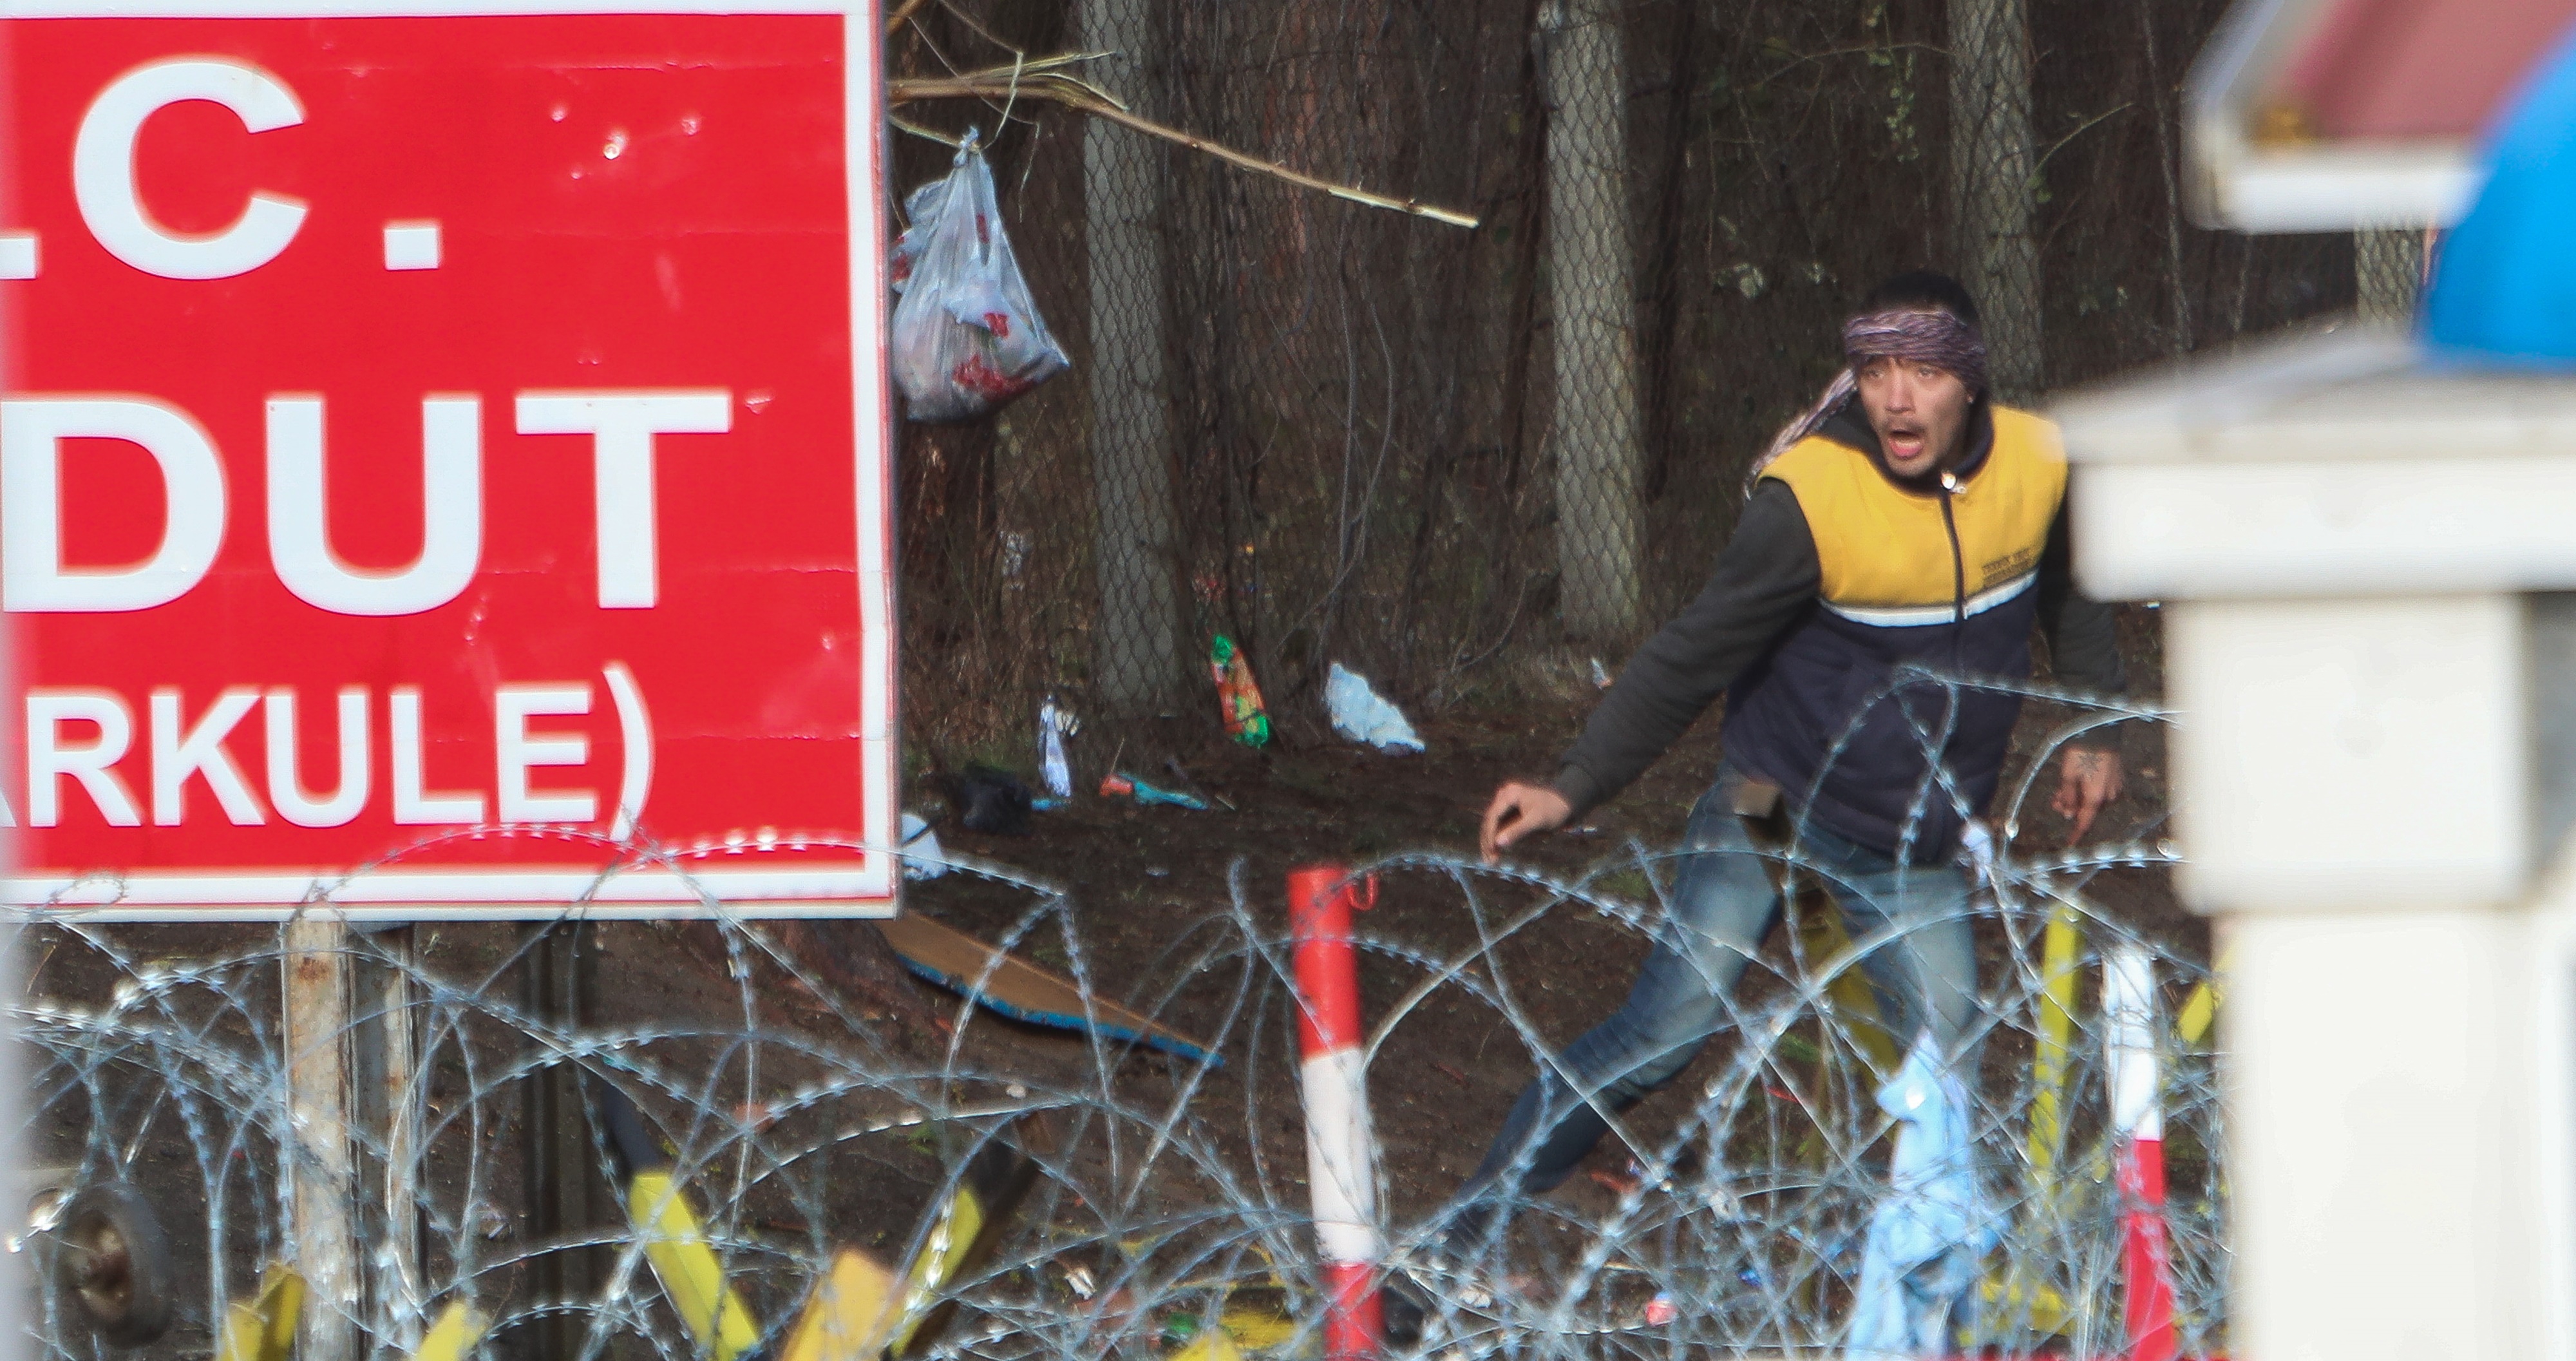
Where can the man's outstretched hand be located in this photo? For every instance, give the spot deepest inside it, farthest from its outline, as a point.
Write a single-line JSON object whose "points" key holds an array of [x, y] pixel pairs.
{"points": [[2087, 780], [1521, 810]]}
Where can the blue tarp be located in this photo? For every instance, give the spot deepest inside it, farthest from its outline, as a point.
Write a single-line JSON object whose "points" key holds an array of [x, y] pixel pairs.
{"points": [[2505, 285]]}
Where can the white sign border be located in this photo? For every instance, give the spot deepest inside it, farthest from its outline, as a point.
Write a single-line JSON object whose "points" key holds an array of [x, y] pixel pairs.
{"points": [[868, 889]]}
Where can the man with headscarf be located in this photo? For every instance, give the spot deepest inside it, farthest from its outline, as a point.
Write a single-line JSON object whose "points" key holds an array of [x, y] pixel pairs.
{"points": [[1907, 530]]}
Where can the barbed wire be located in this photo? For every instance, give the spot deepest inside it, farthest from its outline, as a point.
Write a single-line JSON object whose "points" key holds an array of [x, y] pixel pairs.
{"points": [[1166, 1195]]}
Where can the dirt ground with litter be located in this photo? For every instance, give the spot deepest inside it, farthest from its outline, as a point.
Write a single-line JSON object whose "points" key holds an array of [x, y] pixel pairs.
{"points": [[1140, 877], [1141, 887]]}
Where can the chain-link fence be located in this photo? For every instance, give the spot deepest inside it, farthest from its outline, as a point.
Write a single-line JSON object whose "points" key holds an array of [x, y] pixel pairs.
{"points": [[1465, 461], [2388, 273]]}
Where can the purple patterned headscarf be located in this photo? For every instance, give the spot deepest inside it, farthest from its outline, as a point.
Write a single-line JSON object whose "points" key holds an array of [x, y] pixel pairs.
{"points": [[1933, 336]]}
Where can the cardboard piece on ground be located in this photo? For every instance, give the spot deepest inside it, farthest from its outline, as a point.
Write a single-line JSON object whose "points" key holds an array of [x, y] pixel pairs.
{"points": [[1021, 990]]}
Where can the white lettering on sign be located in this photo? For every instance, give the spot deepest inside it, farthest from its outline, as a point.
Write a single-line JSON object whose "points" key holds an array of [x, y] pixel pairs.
{"points": [[415, 805], [112, 204], [411, 245], [19, 255], [50, 755], [637, 724], [32, 575], [179, 752], [519, 750], [622, 425], [182, 751], [451, 544], [285, 775]]}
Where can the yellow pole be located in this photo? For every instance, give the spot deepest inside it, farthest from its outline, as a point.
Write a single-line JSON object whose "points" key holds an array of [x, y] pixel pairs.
{"points": [[452, 1338], [2056, 1025], [849, 1313], [2017, 1292], [262, 1328], [690, 1272], [2200, 1009], [1825, 942]]}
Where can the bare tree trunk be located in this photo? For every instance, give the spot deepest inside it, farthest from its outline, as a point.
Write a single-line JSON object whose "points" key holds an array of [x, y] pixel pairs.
{"points": [[2387, 270], [1138, 659], [1995, 176], [1595, 434]]}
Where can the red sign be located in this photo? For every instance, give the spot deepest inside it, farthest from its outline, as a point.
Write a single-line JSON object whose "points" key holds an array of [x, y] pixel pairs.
{"points": [[444, 461]]}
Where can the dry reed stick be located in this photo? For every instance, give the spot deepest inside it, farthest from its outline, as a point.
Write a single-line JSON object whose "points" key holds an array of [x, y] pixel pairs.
{"points": [[894, 24], [1041, 80]]}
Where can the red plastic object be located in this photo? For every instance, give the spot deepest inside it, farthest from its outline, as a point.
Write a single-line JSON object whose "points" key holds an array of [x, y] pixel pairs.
{"points": [[2146, 1254], [1321, 899]]}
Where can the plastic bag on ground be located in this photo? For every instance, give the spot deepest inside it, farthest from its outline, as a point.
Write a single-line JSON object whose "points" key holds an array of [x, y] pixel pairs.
{"points": [[922, 857], [967, 338], [1238, 699], [1359, 714], [1927, 1236], [990, 799]]}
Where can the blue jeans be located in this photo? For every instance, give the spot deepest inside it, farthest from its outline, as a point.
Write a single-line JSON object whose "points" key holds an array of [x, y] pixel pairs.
{"points": [[1725, 901]]}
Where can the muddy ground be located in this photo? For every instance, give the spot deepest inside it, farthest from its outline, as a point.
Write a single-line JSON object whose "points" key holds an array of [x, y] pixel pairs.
{"points": [[1140, 878]]}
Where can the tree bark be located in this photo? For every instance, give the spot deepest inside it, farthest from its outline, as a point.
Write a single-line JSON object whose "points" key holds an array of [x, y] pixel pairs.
{"points": [[1996, 178], [1137, 664], [1595, 434]]}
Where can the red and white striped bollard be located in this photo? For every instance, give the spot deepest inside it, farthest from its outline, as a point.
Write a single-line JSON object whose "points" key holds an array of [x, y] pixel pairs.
{"points": [[2129, 1008], [1341, 1149]]}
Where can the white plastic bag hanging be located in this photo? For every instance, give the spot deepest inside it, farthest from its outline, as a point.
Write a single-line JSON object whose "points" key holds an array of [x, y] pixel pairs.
{"points": [[967, 338], [1054, 725]]}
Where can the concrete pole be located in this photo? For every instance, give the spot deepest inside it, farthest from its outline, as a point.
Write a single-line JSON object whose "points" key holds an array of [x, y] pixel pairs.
{"points": [[1137, 669], [1596, 434], [2381, 1087], [1995, 172]]}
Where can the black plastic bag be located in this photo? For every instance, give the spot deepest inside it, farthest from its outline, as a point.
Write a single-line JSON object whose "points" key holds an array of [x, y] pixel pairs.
{"points": [[988, 799]]}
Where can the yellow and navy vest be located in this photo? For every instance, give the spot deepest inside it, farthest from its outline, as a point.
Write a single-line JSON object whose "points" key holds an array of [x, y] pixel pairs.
{"points": [[1943, 578]]}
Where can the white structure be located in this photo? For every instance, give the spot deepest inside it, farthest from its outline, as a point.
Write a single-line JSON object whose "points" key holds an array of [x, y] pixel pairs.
{"points": [[2374, 771]]}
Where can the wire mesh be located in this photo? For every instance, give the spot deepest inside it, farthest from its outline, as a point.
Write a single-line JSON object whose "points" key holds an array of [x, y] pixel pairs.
{"points": [[1171, 1196], [1463, 462], [2388, 274]]}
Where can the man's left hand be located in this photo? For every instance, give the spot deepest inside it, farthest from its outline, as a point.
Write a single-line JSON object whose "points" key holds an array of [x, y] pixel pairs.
{"points": [[2087, 781]]}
